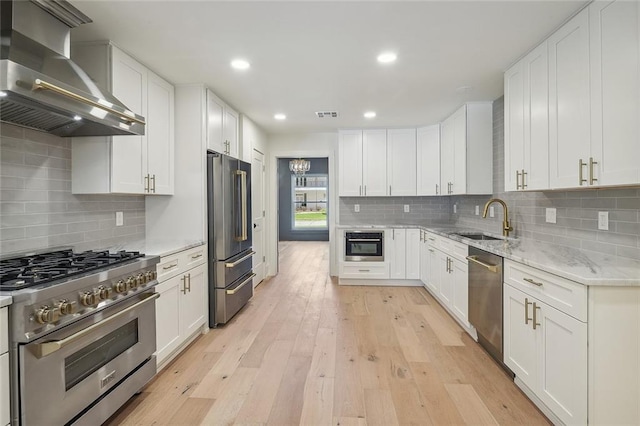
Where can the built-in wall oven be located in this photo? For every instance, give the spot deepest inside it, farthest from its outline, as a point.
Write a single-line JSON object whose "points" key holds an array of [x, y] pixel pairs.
{"points": [[364, 246]]}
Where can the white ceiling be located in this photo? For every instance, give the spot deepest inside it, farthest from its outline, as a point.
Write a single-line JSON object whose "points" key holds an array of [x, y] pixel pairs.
{"points": [[308, 56]]}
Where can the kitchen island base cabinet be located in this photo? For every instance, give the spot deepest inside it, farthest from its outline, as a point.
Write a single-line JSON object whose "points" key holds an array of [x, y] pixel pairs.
{"points": [[181, 310]]}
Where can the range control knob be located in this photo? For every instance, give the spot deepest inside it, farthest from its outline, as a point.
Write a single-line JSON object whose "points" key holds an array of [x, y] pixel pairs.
{"points": [[142, 279], [88, 298], [47, 315], [120, 287], [151, 275], [67, 307], [132, 283], [104, 292]]}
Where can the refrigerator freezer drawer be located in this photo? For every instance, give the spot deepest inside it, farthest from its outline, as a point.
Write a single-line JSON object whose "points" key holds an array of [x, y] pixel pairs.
{"points": [[231, 270], [230, 300]]}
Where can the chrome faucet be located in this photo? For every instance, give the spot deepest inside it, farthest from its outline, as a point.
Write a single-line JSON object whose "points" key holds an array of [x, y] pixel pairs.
{"points": [[506, 226]]}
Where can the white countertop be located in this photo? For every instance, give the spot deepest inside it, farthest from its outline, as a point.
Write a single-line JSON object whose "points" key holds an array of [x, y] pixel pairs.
{"points": [[5, 301], [584, 267], [162, 247]]}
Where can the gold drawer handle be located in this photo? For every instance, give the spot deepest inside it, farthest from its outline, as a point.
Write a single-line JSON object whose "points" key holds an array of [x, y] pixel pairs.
{"points": [[529, 280], [170, 266]]}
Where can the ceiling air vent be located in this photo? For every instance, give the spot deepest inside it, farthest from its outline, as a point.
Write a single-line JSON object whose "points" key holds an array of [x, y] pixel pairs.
{"points": [[327, 114]]}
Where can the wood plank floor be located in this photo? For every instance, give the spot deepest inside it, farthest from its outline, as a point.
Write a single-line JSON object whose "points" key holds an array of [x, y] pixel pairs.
{"points": [[308, 351]]}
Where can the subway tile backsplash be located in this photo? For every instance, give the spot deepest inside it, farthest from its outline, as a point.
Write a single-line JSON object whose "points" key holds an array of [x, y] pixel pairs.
{"points": [[37, 209], [576, 211]]}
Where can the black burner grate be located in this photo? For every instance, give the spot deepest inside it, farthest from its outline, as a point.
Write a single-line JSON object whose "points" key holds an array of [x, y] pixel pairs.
{"points": [[27, 271]]}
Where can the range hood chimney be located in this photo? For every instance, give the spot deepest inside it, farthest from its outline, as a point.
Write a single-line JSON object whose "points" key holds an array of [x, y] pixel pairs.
{"points": [[41, 88]]}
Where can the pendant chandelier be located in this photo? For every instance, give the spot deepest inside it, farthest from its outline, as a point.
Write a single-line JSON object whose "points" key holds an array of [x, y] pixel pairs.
{"points": [[299, 167]]}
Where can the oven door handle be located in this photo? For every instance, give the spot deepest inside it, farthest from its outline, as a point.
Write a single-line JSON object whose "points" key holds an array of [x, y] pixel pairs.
{"points": [[43, 349], [365, 240]]}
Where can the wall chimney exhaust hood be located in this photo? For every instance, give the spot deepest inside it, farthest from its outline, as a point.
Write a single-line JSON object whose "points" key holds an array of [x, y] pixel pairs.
{"points": [[41, 88]]}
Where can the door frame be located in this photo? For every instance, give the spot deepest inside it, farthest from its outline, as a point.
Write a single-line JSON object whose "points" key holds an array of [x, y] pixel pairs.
{"points": [[265, 263], [272, 191]]}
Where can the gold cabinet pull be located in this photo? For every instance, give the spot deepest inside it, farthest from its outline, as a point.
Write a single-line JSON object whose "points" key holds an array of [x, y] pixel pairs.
{"points": [[146, 183], [524, 174], [365, 190], [184, 284], [591, 178], [535, 316], [526, 310], [153, 187], [581, 164], [517, 179], [531, 281], [436, 189]]}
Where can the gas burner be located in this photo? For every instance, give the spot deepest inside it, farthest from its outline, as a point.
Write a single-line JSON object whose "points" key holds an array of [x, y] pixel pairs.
{"points": [[26, 271]]}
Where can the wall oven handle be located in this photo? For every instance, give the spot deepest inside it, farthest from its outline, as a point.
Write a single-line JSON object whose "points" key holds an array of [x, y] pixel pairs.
{"points": [[474, 259], [237, 262], [364, 240], [43, 349], [235, 290]]}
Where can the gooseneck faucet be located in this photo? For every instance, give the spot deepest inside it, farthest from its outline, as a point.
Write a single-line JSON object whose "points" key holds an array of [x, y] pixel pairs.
{"points": [[506, 226]]}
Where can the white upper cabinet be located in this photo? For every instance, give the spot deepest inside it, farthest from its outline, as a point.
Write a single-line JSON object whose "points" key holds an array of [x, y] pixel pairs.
{"points": [[569, 102], [374, 163], [526, 122], [350, 163], [126, 164], [222, 126], [466, 161], [428, 160], [615, 92], [401, 161]]}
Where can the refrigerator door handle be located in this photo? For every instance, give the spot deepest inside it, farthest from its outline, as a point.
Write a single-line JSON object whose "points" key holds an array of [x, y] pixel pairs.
{"points": [[243, 205], [239, 261]]}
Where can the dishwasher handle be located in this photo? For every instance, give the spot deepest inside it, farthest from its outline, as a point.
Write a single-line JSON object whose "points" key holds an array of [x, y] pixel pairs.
{"points": [[489, 266]]}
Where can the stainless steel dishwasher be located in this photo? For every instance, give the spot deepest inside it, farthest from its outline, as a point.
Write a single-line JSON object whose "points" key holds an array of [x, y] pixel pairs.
{"points": [[485, 300]]}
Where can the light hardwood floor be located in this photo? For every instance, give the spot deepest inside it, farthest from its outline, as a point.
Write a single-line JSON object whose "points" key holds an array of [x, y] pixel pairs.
{"points": [[308, 351]]}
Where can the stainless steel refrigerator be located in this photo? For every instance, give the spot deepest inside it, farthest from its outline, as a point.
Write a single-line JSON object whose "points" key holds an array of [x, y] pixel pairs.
{"points": [[229, 234]]}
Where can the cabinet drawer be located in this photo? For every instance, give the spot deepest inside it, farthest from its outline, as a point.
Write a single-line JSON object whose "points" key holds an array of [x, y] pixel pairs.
{"points": [[170, 266], [432, 239], [459, 250], [364, 270], [564, 295], [195, 256], [4, 332]]}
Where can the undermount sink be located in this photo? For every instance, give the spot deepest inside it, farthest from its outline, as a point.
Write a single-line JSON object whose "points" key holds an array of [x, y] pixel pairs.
{"points": [[478, 237]]}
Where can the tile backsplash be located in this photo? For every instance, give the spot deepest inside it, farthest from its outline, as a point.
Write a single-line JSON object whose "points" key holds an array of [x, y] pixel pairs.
{"points": [[37, 208], [576, 211]]}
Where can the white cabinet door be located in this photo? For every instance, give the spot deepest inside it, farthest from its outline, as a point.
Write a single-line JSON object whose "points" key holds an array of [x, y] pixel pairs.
{"points": [[562, 357], [434, 272], [520, 353], [215, 120], [514, 118], [445, 280], [129, 85], [569, 103], [192, 307], [397, 262], [5, 405], [536, 123], [160, 135], [168, 313], [350, 163], [413, 245], [460, 152], [424, 258], [374, 163], [401, 162], [460, 284], [231, 132], [447, 159], [428, 160], [615, 91]]}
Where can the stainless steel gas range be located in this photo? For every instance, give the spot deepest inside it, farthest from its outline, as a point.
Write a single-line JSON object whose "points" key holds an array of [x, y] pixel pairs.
{"points": [[82, 333]]}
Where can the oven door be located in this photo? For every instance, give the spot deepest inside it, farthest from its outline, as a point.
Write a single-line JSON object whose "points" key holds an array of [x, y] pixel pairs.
{"points": [[66, 371], [364, 247]]}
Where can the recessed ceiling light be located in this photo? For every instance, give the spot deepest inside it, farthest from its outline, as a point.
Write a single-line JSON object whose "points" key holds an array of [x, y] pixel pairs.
{"points": [[77, 117], [240, 64], [3, 93], [279, 116], [369, 114], [387, 57]]}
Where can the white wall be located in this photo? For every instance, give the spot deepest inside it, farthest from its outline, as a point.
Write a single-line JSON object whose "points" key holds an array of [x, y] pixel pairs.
{"points": [[299, 145], [251, 137]]}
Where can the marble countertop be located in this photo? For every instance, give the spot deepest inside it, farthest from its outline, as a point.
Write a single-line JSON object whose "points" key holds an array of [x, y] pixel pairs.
{"points": [[584, 267], [161, 247], [5, 301]]}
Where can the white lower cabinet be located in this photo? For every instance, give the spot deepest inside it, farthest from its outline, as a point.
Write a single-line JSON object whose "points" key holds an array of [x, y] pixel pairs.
{"points": [[547, 350], [404, 254], [181, 310]]}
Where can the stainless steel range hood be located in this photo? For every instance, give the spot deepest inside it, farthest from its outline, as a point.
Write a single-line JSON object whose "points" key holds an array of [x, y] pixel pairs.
{"points": [[41, 88]]}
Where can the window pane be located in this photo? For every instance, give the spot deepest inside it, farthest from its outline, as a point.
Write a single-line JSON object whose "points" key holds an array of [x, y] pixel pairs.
{"points": [[309, 201]]}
